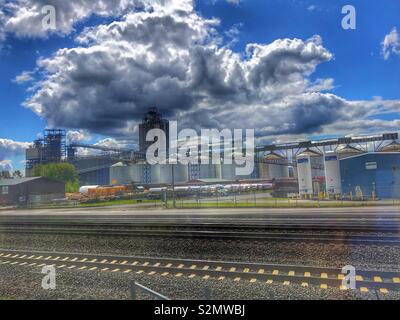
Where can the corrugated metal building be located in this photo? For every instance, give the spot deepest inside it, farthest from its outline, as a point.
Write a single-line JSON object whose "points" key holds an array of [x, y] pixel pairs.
{"points": [[30, 191], [370, 173]]}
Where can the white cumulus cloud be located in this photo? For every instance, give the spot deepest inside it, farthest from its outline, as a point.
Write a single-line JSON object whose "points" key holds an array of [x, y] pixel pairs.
{"points": [[391, 44]]}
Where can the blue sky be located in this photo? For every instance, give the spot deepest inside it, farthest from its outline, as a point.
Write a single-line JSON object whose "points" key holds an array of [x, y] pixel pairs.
{"points": [[359, 69]]}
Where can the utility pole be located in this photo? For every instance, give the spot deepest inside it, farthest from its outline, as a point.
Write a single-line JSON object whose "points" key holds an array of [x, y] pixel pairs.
{"points": [[173, 186]]}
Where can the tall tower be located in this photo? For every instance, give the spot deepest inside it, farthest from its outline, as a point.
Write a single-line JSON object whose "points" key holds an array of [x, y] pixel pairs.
{"points": [[152, 120]]}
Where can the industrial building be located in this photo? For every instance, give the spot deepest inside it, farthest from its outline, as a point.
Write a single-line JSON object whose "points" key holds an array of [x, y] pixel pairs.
{"points": [[152, 120], [371, 175], [27, 191], [347, 166], [50, 149]]}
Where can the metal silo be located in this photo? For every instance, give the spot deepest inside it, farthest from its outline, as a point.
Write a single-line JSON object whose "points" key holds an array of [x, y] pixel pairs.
{"points": [[304, 174], [310, 165], [274, 167], [332, 173]]}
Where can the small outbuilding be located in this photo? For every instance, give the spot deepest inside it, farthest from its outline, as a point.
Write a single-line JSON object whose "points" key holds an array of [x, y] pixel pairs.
{"points": [[26, 191]]}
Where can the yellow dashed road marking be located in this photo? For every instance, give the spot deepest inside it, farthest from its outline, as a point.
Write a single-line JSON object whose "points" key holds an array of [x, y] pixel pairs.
{"points": [[151, 273], [221, 278], [304, 284], [275, 272], [253, 280], [83, 260], [218, 269], [192, 267], [377, 279], [396, 280], [291, 273], [340, 276], [363, 289], [114, 261], [261, 271], [206, 267], [139, 272], [127, 271], [192, 276], [105, 269], [181, 266], [124, 262], [246, 270], [206, 277], [383, 290], [178, 275], [343, 287], [359, 278], [71, 267], [82, 268], [135, 263], [324, 275], [94, 260], [115, 270], [232, 269], [23, 256], [157, 264], [165, 274], [94, 268], [145, 264], [23, 263], [169, 265], [286, 283], [104, 261], [15, 256], [236, 279], [269, 281], [307, 274], [62, 266], [324, 286]]}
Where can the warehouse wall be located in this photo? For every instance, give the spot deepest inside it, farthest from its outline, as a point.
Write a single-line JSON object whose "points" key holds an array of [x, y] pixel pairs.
{"points": [[373, 171]]}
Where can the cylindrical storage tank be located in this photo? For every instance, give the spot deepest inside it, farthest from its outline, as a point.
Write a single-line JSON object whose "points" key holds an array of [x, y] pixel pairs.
{"points": [[155, 173], [134, 173], [165, 173], [304, 174], [85, 189], [274, 167], [181, 173], [332, 174], [210, 171], [118, 173], [228, 172]]}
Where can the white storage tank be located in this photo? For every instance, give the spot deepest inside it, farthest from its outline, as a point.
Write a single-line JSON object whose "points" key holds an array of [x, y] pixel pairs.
{"points": [[332, 174], [85, 189], [304, 174]]}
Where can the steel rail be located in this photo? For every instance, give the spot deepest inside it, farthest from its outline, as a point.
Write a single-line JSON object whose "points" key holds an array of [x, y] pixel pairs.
{"points": [[281, 273], [215, 235]]}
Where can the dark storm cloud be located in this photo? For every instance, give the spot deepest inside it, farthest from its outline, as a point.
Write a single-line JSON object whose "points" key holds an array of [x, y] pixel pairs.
{"points": [[172, 58]]}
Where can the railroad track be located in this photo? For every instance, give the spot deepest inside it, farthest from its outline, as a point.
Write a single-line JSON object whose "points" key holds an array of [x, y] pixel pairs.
{"points": [[366, 280], [359, 239], [292, 223]]}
